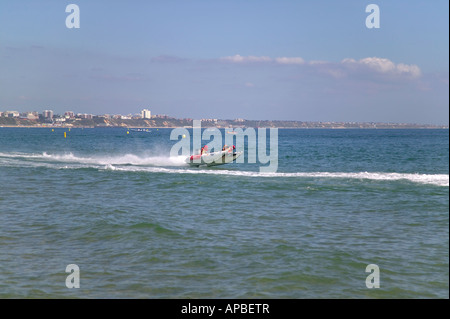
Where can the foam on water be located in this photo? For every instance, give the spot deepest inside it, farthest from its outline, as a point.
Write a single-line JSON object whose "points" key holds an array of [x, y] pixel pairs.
{"points": [[176, 165], [126, 159], [434, 179]]}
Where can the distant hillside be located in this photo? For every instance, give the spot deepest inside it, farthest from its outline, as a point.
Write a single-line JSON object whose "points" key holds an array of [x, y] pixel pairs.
{"points": [[98, 121]]}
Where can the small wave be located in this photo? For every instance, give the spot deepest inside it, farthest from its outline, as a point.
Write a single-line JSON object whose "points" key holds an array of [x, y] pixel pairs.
{"points": [[21, 155], [110, 167]]}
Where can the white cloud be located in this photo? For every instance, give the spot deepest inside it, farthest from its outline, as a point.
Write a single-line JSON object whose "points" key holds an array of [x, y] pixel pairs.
{"points": [[243, 59], [294, 60], [262, 59], [413, 69], [345, 68], [385, 66]]}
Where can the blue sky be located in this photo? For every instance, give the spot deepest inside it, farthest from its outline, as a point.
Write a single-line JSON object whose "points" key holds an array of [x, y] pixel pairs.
{"points": [[253, 59]]}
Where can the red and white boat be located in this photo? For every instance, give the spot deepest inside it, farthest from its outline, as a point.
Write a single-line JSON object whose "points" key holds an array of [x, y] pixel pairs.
{"points": [[225, 156]]}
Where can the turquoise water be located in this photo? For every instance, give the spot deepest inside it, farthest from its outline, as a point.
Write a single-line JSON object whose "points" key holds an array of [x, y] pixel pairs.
{"points": [[140, 224]]}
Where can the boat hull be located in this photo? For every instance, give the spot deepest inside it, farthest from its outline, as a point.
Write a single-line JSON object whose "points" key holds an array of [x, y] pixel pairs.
{"points": [[212, 159]]}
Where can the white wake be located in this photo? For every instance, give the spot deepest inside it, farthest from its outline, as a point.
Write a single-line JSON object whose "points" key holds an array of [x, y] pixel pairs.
{"points": [[176, 165]]}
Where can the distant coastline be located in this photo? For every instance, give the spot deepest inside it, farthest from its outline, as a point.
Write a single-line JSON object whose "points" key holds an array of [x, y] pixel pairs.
{"points": [[169, 122]]}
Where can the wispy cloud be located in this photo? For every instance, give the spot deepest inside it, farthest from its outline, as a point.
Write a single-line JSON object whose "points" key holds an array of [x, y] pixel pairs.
{"points": [[384, 66], [245, 59], [294, 60], [344, 68], [261, 59]]}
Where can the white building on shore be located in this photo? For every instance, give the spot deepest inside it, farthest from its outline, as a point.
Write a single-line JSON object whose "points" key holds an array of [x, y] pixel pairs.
{"points": [[146, 114], [48, 114]]}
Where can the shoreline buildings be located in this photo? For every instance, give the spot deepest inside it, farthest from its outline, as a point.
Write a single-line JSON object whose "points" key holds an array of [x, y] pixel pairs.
{"points": [[146, 114]]}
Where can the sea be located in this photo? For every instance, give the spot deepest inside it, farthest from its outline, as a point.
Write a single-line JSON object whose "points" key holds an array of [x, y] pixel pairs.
{"points": [[109, 213]]}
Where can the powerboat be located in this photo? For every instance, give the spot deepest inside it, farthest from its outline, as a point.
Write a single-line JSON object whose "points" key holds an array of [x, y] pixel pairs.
{"points": [[225, 156]]}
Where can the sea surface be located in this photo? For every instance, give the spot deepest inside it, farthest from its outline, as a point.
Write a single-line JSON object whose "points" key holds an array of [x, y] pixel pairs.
{"points": [[141, 224]]}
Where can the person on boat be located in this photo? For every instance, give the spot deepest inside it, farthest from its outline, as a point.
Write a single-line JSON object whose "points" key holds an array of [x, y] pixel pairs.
{"points": [[204, 149], [228, 148]]}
